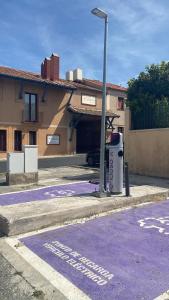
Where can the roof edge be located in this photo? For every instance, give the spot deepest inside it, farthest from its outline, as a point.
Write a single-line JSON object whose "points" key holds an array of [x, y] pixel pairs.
{"points": [[41, 81], [78, 110]]}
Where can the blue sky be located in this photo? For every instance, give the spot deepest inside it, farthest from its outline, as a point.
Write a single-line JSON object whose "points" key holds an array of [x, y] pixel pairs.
{"points": [[138, 33]]}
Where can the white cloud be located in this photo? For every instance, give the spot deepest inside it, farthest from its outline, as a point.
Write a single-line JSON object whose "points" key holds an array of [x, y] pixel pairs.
{"points": [[138, 18], [132, 40], [135, 28]]}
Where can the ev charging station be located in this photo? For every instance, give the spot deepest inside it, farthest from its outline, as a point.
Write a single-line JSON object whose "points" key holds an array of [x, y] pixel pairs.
{"points": [[116, 164]]}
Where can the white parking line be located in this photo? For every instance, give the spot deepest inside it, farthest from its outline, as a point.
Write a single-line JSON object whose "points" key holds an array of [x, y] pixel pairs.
{"points": [[164, 296], [68, 289]]}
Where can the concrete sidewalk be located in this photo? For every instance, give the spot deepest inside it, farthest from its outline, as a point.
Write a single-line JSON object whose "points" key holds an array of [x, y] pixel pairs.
{"points": [[53, 176], [65, 174], [25, 217], [30, 216]]}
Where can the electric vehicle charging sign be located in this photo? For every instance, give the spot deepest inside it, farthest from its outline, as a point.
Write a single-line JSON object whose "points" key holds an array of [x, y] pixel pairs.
{"points": [[120, 256], [48, 193]]}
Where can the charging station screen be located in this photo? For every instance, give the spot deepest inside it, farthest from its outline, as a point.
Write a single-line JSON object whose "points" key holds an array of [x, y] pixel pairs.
{"points": [[115, 139]]}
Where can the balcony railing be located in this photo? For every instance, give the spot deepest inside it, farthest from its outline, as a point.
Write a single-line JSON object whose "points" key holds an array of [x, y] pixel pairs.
{"points": [[25, 119]]}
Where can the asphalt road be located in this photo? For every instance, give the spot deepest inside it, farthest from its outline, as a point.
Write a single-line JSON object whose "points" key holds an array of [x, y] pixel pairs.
{"points": [[120, 256], [52, 162]]}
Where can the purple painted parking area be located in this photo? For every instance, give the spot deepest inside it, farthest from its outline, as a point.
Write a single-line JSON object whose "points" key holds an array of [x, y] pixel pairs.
{"points": [[47, 193], [122, 256]]}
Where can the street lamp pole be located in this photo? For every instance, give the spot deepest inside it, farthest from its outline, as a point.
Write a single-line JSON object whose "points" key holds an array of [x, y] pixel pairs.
{"points": [[101, 14]]}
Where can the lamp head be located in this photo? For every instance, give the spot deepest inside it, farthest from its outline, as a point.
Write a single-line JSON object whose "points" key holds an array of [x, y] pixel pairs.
{"points": [[99, 13]]}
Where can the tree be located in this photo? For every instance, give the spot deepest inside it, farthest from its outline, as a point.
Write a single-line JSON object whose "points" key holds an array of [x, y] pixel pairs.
{"points": [[148, 97]]}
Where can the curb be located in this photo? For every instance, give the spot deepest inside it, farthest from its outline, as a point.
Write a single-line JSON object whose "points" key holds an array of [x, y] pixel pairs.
{"points": [[29, 273], [11, 225]]}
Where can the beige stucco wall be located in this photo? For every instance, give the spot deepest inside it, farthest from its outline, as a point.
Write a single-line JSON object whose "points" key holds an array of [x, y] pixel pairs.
{"points": [[53, 117], [52, 111], [112, 104], [147, 150], [77, 99]]}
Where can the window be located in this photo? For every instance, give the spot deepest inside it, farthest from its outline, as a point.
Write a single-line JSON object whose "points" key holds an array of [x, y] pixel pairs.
{"points": [[32, 137], [18, 140], [30, 111], [3, 140], [120, 103]]}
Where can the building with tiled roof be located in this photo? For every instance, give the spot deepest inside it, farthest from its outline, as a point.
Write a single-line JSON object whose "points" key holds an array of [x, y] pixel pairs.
{"points": [[98, 85], [61, 116], [7, 72]]}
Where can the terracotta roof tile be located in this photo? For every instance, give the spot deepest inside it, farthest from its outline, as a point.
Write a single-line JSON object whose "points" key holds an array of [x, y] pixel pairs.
{"points": [[95, 85], [98, 84], [18, 74], [81, 85], [86, 111]]}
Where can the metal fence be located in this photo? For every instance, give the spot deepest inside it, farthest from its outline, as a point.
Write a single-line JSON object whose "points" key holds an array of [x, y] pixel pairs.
{"points": [[151, 116]]}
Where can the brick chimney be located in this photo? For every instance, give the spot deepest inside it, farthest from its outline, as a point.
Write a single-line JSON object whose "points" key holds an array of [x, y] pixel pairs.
{"points": [[50, 67], [42, 69], [54, 67], [45, 68]]}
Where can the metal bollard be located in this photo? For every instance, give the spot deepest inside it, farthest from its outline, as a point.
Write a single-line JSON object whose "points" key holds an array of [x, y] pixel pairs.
{"points": [[127, 184], [105, 176]]}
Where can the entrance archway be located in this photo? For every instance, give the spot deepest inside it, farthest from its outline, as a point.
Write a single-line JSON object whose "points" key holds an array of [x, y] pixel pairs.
{"points": [[88, 135]]}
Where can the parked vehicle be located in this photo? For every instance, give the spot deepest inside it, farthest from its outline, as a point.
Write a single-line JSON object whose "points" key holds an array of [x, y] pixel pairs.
{"points": [[93, 157]]}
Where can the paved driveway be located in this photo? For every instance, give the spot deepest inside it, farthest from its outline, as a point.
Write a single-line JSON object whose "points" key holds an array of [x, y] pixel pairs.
{"points": [[120, 256]]}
